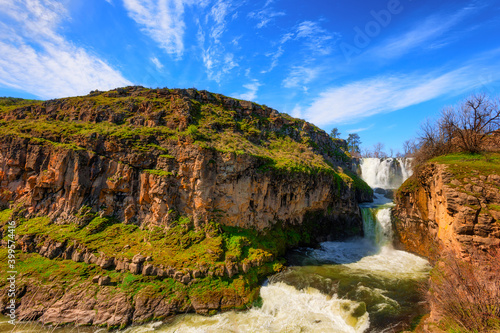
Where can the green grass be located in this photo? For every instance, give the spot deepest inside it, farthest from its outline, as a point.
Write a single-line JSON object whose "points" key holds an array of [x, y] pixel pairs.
{"points": [[11, 103], [494, 207], [357, 182], [161, 173], [410, 185], [470, 165], [180, 246], [287, 148], [462, 166], [5, 216], [66, 274]]}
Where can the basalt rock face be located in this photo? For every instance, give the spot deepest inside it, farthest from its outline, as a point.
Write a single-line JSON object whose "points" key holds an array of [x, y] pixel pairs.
{"points": [[141, 200], [56, 182], [437, 212], [131, 177]]}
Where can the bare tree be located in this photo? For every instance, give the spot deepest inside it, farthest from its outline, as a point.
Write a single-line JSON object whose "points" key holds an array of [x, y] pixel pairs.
{"points": [[409, 148], [367, 152], [471, 122], [378, 150], [433, 139]]}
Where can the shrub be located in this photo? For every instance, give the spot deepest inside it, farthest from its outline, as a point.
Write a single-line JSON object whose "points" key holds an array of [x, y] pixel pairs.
{"points": [[467, 296], [467, 127]]}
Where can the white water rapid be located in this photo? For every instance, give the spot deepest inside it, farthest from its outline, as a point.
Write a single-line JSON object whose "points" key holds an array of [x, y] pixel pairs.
{"points": [[353, 286], [358, 285]]}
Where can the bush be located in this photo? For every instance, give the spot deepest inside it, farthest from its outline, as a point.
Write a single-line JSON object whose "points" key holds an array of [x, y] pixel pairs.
{"points": [[467, 127], [467, 296]]}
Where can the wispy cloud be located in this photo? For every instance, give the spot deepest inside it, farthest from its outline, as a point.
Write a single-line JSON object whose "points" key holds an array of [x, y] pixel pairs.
{"points": [[360, 99], [217, 60], [34, 57], [218, 13], [236, 41], [361, 129], [296, 111], [265, 15], [312, 39], [318, 40], [162, 20], [299, 76], [157, 63], [251, 94], [427, 32], [275, 58]]}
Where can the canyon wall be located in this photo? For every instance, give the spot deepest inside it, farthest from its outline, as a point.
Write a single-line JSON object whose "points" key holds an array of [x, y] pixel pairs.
{"points": [[145, 173], [437, 211], [138, 204], [191, 181]]}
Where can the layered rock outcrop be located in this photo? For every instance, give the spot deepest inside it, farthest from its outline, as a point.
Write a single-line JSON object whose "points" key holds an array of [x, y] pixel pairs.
{"points": [[131, 177], [196, 182], [143, 198], [437, 212]]}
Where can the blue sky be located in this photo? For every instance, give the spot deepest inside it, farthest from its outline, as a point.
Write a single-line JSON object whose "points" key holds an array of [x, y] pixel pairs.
{"points": [[378, 68]]}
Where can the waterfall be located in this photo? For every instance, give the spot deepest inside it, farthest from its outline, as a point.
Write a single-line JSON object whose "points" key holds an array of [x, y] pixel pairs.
{"points": [[386, 173], [351, 286], [377, 225]]}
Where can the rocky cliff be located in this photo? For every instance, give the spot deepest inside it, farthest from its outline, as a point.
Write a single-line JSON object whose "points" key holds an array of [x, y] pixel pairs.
{"points": [[141, 203], [451, 203], [449, 212]]}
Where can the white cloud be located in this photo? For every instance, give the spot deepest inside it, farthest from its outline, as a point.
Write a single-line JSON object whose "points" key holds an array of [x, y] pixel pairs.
{"points": [[360, 99], [308, 29], [218, 13], [162, 20], [236, 41], [157, 63], [251, 94], [433, 28], [361, 129], [296, 111], [265, 15], [218, 61], [217, 64], [300, 76], [317, 39], [275, 58], [35, 58]]}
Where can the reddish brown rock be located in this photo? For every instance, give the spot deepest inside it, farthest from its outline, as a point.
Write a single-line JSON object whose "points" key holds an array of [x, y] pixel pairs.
{"points": [[438, 215]]}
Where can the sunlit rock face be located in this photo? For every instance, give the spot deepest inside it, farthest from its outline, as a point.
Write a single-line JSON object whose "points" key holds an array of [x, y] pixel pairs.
{"points": [[436, 211]]}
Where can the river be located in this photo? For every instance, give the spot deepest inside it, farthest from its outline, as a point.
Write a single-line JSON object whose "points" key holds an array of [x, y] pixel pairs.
{"points": [[357, 285]]}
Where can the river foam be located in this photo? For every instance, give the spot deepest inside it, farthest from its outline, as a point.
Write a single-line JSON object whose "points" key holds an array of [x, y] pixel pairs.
{"points": [[284, 309], [350, 286]]}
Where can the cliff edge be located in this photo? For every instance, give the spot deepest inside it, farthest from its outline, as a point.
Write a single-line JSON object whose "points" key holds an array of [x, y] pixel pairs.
{"points": [[137, 204], [449, 212], [450, 203]]}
